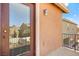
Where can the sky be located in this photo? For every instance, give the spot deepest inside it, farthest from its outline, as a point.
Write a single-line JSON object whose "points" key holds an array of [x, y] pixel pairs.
{"points": [[19, 14], [73, 14]]}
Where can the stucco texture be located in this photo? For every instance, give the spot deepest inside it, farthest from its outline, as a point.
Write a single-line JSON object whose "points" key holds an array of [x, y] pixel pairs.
{"points": [[50, 28]]}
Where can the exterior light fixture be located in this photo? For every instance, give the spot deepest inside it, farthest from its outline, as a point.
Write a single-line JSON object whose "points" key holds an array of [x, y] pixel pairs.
{"points": [[45, 12], [5, 31], [78, 41], [71, 39]]}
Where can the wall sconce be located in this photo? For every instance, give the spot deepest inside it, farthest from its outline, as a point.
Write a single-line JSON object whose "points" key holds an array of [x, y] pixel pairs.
{"points": [[45, 12], [71, 39], [78, 40]]}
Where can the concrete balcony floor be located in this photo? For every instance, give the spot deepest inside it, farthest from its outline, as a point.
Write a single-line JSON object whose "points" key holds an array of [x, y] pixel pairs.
{"points": [[63, 51]]}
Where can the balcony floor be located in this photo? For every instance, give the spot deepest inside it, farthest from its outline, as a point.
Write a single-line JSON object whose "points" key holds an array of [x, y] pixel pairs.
{"points": [[63, 51]]}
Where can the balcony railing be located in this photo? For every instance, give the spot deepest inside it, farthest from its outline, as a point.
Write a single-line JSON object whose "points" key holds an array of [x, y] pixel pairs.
{"points": [[71, 41]]}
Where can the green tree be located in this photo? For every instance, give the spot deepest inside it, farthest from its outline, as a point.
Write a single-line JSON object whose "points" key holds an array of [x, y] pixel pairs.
{"points": [[14, 34], [24, 30]]}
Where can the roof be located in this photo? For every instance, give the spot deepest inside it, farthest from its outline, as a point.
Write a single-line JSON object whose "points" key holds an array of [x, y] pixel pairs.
{"points": [[62, 7], [69, 21]]}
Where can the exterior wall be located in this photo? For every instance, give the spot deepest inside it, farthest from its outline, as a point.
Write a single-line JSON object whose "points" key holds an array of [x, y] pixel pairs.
{"points": [[50, 28], [69, 27], [78, 30], [68, 35]]}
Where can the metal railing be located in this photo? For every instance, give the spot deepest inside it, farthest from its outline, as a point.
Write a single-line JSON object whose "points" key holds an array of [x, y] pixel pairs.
{"points": [[71, 41]]}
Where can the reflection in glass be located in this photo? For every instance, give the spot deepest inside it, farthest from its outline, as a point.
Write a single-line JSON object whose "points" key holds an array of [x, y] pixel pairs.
{"points": [[19, 23]]}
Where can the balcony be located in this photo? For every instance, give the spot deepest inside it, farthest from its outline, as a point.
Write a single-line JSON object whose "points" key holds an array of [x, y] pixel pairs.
{"points": [[70, 46]]}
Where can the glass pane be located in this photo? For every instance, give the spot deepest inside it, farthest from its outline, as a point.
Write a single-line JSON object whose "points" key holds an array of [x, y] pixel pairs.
{"points": [[19, 26]]}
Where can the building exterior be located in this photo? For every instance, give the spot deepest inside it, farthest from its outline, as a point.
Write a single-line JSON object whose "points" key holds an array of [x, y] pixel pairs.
{"points": [[46, 27], [77, 30], [50, 27], [14, 30], [69, 31], [69, 27]]}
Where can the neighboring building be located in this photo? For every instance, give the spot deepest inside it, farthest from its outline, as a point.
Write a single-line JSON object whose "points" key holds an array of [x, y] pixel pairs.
{"points": [[14, 30], [69, 27], [78, 30]]}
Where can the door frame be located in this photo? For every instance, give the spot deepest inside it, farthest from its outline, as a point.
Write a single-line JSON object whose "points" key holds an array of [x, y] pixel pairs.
{"points": [[0, 29], [4, 9]]}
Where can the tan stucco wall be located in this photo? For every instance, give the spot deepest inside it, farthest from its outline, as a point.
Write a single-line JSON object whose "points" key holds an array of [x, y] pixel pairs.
{"points": [[50, 28]]}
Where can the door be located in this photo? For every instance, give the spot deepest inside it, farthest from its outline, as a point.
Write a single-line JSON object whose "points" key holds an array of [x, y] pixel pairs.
{"points": [[17, 29]]}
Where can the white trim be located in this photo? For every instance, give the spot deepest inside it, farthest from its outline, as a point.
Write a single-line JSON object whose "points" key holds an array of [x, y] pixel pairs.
{"points": [[62, 7], [37, 30]]}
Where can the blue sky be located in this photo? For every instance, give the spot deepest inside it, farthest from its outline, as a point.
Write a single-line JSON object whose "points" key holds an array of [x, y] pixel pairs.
{"points": [[73, 12], [19, 14]]}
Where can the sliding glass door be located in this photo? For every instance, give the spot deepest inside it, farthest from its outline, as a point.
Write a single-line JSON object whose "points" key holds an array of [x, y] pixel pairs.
{"points": [[18, 29]]}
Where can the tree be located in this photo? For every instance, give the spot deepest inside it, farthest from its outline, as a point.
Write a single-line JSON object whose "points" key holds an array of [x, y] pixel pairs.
{"points": [[24, 30], [14, 34]]}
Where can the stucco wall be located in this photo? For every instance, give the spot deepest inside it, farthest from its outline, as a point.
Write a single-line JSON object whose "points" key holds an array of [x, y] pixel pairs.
{"points": [[50, 28]]}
